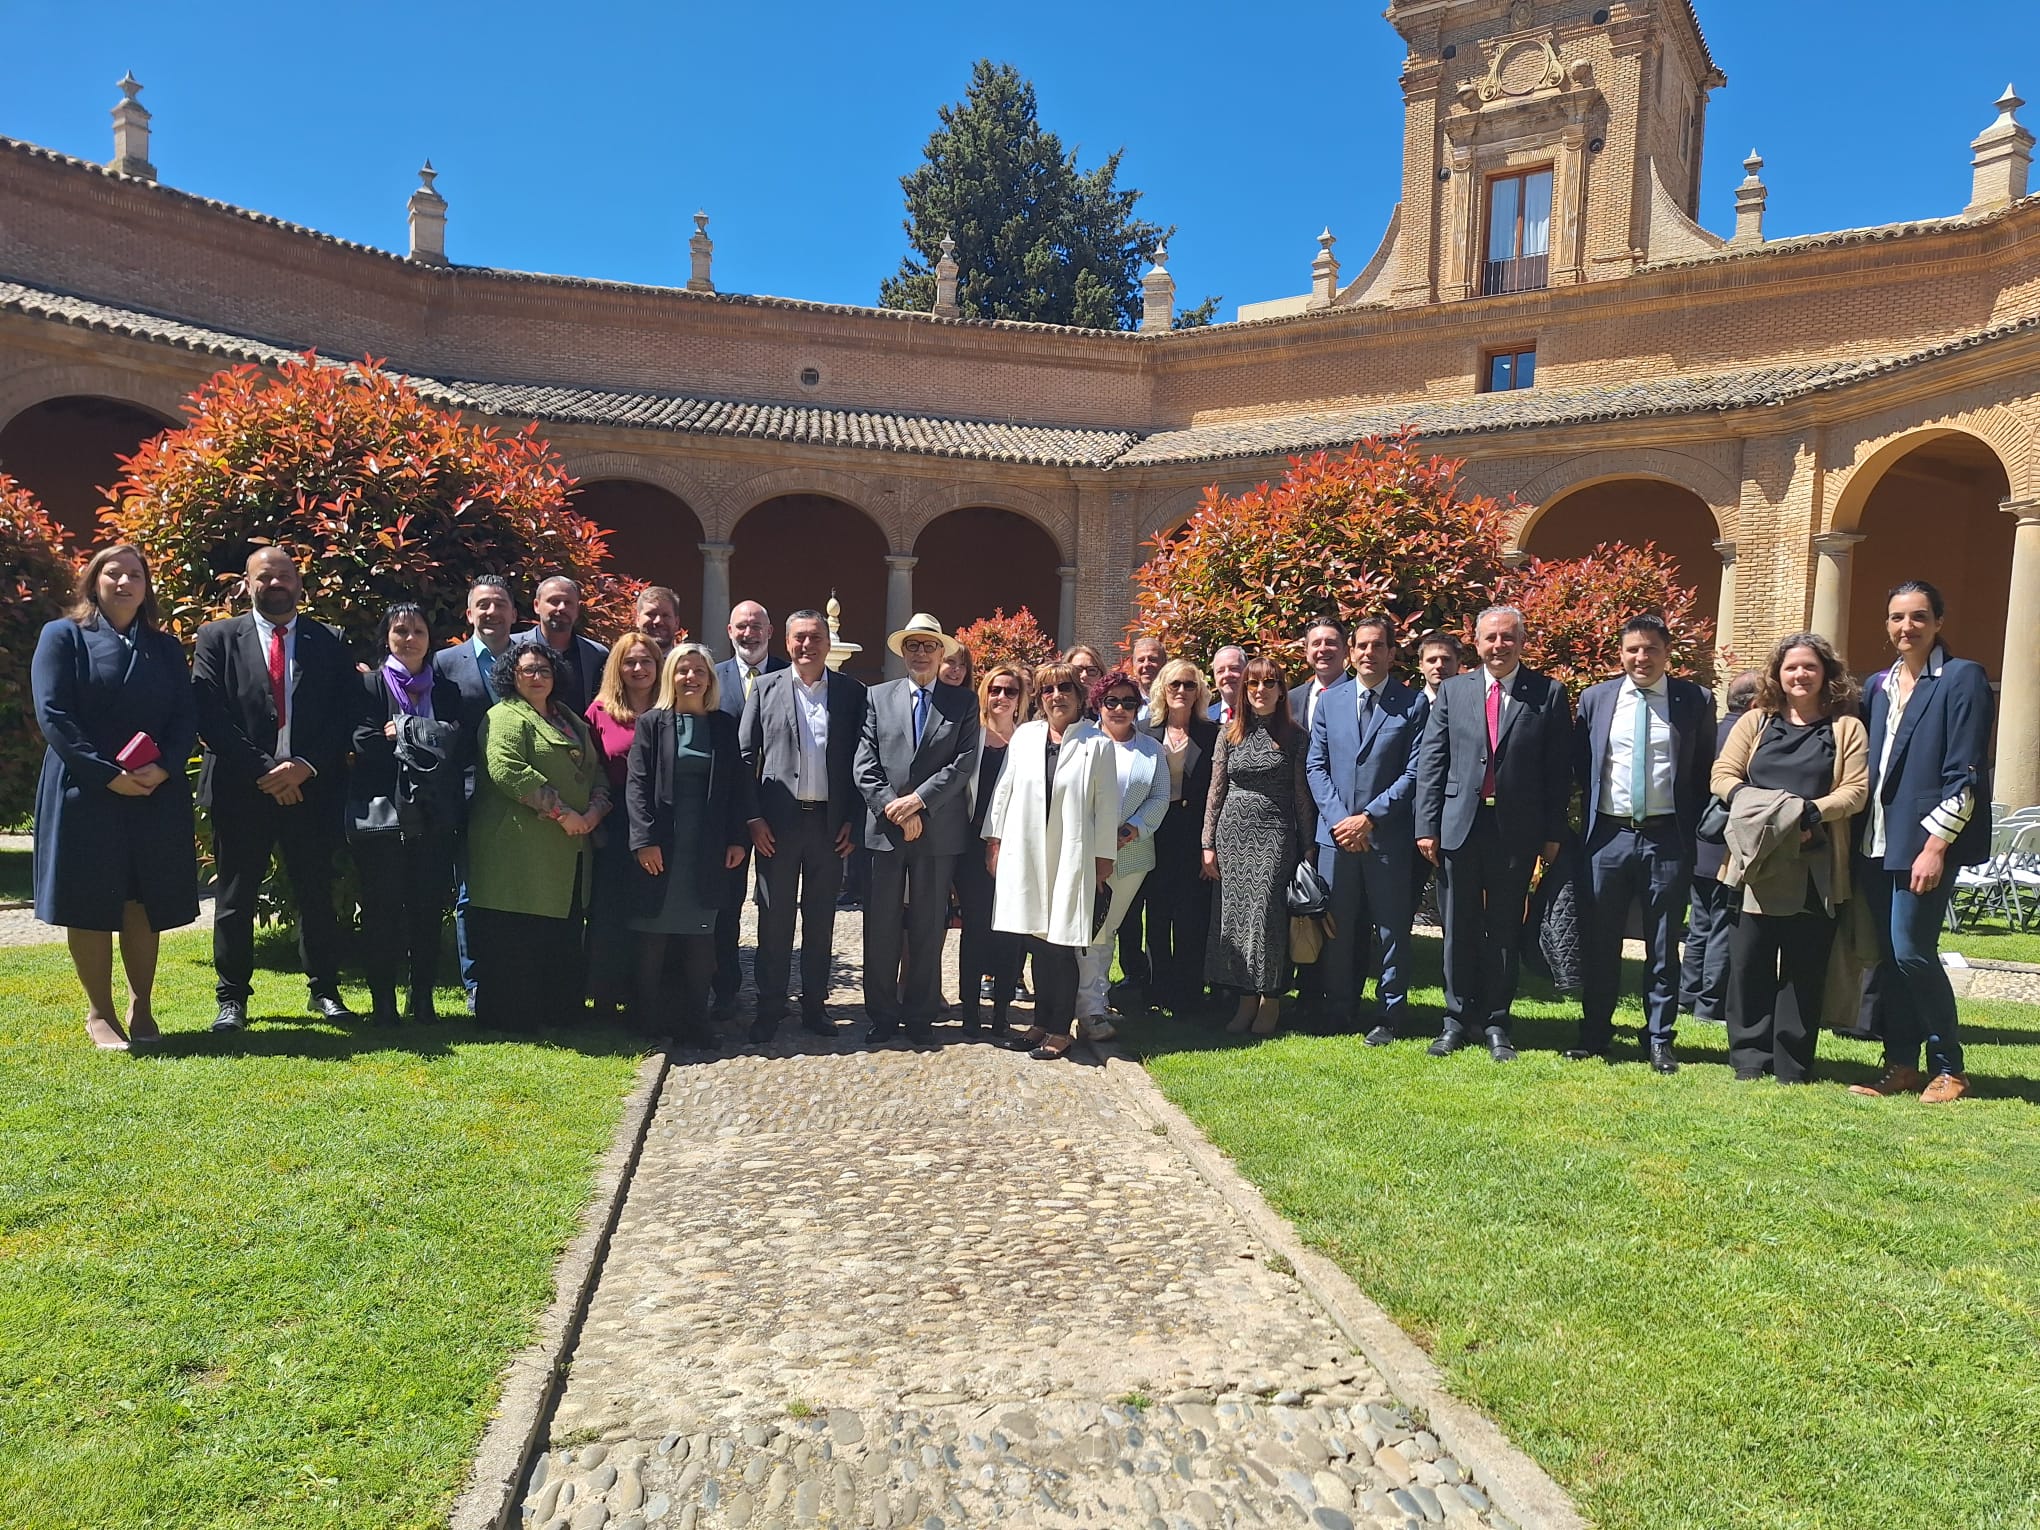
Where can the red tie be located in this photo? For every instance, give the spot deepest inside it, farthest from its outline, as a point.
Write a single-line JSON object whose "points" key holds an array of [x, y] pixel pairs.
{"points": [[276, 686], [1494, 738]]}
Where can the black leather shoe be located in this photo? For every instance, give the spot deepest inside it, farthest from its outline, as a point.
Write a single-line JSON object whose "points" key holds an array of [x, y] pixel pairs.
{"points": [[1661, 1059], [1447, 1044], [921, 1033], [1381, 1036], [233, 1016], [330, 1006], [879, 1032], [1587, 1054], [763, 1031], [818, 1025], [1499, 1048]]}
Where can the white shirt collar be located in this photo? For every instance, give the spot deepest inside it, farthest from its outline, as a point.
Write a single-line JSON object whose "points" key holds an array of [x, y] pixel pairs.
{"points": [[1662, 688], [1506, 680], [269, 626]]}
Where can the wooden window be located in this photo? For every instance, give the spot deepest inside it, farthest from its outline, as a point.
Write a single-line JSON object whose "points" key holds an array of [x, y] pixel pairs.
{"points": [[1518, 233], [1505, 371]]}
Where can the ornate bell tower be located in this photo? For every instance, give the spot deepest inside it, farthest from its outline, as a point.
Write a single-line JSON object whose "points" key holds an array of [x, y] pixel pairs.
{"points": [[1547, 142]]}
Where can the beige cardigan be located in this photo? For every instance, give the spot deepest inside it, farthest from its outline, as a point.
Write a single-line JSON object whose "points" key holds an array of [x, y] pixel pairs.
{"points": [[1851, 788]]}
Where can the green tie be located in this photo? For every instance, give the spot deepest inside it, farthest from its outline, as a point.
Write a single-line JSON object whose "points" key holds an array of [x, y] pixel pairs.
{"points": [[1639, 760]]}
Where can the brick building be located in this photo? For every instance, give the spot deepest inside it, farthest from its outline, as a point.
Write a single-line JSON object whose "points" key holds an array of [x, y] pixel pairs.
{"points": [[1544, 302]]}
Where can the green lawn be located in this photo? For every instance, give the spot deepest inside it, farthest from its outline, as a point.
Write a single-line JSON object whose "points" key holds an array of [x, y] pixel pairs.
{"points": [[1993, 940], [268, 1281], [1701, 1305]]}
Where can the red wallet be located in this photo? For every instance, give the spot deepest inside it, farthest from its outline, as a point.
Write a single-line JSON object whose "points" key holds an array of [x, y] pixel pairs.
{"points": [[139, 751]]}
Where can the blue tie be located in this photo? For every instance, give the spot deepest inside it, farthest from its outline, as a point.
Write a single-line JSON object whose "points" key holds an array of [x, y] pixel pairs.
{"points": [[920, 712], [1639, 760]]}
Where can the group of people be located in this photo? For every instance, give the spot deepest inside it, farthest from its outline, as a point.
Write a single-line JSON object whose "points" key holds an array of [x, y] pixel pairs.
{"points": [[594, 818]]}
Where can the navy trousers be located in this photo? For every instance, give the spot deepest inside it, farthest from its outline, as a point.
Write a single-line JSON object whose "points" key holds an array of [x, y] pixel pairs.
{"points": [[1647, 864], [1370, 910]]}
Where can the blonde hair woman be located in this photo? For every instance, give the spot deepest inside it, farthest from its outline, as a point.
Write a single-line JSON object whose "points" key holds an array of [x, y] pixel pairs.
{"points": [[1178, 891], [690, 803], [630, 688]]}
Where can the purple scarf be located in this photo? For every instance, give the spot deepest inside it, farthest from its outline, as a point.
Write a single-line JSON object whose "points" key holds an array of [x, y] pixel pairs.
{"points": [[412, 693]]}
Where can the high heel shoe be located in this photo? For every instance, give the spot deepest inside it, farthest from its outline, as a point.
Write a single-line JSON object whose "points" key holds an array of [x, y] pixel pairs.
{"points": [[1268, 1017]]}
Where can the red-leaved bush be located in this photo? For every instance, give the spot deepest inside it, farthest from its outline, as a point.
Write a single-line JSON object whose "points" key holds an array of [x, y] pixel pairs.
{"points": [[37, 575], [1381, 529], [1002, 639], [377, 494], [1575, 608]]}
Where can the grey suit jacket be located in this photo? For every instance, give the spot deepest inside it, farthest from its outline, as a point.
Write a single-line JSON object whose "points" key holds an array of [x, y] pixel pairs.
{"points": [[889, 766], [770, 737], [729, 678]]}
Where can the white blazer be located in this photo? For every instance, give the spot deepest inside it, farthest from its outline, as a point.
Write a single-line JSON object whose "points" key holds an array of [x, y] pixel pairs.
{"points": [[1143, 773], [1051, 835]]}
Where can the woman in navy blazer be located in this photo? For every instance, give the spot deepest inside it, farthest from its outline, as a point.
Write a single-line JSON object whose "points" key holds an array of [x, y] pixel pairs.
{"points": [[1929, 816], [113, 840]]}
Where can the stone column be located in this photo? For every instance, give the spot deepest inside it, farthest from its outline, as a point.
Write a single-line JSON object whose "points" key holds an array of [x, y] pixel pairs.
{"points": [[899, 605], [1066, 608], [1831, 586], [2018, 750], [1724, 613], [715, 596]]}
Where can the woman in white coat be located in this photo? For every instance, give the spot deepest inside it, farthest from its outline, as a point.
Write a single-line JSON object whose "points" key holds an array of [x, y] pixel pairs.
{"points": [[1055, 815], [1143, 798]]}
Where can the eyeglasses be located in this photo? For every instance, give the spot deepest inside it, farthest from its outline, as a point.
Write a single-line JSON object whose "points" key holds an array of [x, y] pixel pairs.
{"points": [[1119, 704], [528, 672], [1002, 690], [912, 645]]}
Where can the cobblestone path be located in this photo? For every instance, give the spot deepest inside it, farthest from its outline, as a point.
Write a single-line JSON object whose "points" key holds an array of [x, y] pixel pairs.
{"points": [[955, 1288]]}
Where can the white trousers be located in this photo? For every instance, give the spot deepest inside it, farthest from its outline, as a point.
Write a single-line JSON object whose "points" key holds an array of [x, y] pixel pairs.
{"points": [[1094, 962]]}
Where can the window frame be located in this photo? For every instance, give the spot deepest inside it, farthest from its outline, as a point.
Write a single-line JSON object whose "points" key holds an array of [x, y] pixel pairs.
{"points": [[1522, 176], [1515, 353]]}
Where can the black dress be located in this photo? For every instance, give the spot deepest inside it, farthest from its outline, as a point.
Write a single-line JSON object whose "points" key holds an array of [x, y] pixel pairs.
{"points": [[96, 850], [1252, 821], [983, 951]]}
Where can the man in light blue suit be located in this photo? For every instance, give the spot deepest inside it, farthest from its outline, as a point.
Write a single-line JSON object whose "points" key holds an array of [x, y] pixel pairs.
{"points": [[1362, 769]]}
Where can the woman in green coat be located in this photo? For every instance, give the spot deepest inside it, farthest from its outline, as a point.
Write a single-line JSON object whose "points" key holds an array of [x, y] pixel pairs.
{"points": [[540, 791]]}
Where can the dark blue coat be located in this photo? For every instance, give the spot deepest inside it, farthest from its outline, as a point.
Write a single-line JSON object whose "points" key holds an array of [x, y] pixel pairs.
{"points": [[1693, 733], [93, 847], [1943, 745], [1374, 773]]}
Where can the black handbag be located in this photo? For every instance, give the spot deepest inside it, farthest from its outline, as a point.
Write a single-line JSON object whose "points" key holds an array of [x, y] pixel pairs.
{"points": [[1713, 826], [1309, 893], [373, 818]]}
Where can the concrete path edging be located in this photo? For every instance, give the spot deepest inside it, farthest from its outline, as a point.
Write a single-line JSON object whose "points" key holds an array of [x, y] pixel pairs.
{"points": [[532, 1379], [1516, 1485]]}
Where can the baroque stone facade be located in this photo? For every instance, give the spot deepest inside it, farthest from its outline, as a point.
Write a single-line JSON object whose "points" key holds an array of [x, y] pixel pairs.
{"points": [[1799, 421]]}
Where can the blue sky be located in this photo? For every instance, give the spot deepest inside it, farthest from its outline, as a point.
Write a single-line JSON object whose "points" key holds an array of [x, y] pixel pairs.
{"points": [[584, 149]]}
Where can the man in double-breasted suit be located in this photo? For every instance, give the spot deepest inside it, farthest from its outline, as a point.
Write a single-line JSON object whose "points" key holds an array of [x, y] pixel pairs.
{"points": [[471, 665], [1494, 779], [276, 695], [1643, 750], [799, 736], [915, 761], [1362, 769]]}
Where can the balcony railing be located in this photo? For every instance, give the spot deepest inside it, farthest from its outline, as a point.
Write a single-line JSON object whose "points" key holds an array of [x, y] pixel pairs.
{"points": [[1526, 273]]}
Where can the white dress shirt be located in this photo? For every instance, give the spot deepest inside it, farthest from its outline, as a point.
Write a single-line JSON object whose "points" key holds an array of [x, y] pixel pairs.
{"points": [[811, 706], [1617, 772], [264, 626], [1948, 819]]}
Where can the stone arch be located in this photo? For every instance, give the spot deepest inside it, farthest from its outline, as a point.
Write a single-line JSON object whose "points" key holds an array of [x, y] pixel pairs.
{"points": [[722, 519], [1174, 508], [1715, 488], [2004, 433], [67, 447], [663, 472], [160, 396], [978, 558], [653, 533], [1052, 518], [1962, 478], [793, 548]]}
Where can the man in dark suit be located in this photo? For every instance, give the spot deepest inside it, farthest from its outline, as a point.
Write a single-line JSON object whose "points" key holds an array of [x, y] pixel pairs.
{"points": [[558, 604], [276, 697], [1324, 649], [799, 736], [1494, 779], [915, 760], [1643, 749], [1362, 769], [750, 633], [471, 666]]}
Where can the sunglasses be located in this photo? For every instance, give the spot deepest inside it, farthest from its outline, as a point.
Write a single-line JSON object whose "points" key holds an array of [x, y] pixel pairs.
{"points": [[1061, 687], [1264, 685], [1182, 685], [1002, 690], [1119, 704]]}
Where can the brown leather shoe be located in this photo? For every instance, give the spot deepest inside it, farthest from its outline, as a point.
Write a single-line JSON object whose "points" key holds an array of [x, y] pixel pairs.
{"points": [[1895, 1081], [1945, 1087]]}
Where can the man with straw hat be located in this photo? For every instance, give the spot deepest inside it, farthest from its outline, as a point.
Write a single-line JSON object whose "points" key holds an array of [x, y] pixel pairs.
{"points": [[914, 763]]}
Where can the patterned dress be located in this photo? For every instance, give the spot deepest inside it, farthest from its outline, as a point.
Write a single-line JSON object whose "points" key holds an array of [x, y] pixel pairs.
{"points": [[1251, 820]]}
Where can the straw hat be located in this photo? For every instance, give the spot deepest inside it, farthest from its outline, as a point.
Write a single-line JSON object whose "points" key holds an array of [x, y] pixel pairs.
{"points": [[921, 624]]}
